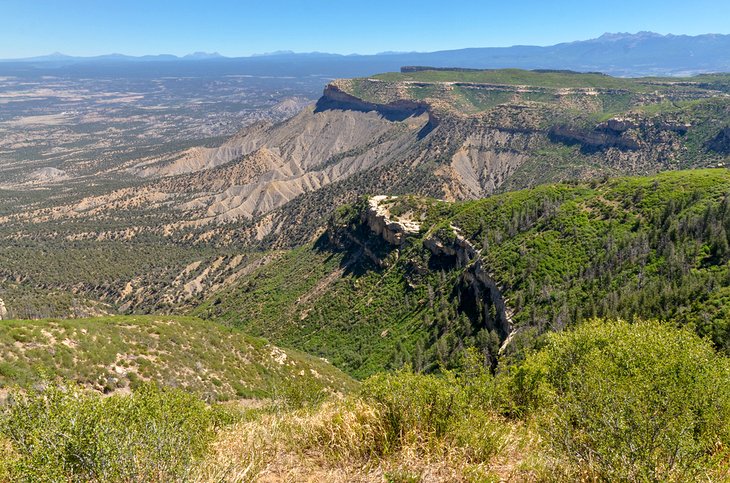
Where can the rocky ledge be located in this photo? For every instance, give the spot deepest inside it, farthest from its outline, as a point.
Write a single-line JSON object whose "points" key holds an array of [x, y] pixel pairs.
{"points": [[478, 286], [460, 248], [393, 230]]}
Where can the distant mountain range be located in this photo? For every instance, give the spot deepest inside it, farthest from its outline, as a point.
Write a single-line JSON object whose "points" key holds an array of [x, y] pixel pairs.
{"points": [[619, 54], [63, 58]]}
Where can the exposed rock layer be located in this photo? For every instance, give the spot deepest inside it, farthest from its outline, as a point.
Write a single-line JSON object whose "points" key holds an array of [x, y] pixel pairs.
{"points": [[479, 289], [380, 221]]}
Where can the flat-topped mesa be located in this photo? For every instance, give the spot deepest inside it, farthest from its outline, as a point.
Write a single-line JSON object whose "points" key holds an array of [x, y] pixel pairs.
{"points": [[394, 106], [383, 223]]}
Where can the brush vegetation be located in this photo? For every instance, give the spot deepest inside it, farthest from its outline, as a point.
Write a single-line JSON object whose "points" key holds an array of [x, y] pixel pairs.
{"points": [[111, 354], [61, 433], [607, 401]]}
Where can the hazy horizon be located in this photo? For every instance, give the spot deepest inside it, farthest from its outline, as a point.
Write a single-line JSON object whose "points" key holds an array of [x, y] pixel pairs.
{"points": [[200, 53], [237, 29]]}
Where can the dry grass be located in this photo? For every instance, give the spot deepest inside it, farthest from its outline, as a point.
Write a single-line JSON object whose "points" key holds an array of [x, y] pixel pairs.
{"points": [[9, 456], [344, 441]]}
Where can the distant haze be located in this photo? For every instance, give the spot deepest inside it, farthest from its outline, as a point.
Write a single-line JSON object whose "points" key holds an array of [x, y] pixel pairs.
{"points": [[619, 54], [239, 28]]}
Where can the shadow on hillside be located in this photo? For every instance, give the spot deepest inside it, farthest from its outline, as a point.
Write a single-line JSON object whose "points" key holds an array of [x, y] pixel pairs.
{"points": [[393, 113], [362, 251]]}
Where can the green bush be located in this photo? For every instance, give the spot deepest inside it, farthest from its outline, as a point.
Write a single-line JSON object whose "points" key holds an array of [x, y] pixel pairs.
{"points": [[426, 409], [299, 393], [61, 433], [413, 405], [629, 402]]}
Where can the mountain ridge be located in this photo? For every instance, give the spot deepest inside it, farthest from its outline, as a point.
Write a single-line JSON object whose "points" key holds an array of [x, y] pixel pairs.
{"points": [[643, 53]]}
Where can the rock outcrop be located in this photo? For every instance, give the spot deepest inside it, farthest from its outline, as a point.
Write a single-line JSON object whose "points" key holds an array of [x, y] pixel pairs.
{"points": [[3, 310], [480, 296], [393, 230], [335, 97], [460, 248], [483, 288], [599, 139]]}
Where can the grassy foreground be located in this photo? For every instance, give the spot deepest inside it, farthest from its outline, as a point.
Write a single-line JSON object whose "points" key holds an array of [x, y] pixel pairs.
{"points": [[607, 401]]}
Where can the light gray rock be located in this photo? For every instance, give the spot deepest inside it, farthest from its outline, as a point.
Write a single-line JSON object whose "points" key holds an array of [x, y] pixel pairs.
{"points": [[381, 223]]}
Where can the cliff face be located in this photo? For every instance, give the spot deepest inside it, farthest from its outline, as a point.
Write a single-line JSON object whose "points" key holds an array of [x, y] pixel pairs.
{"points": [[637, 134], [595, 140], [479, 295], [335, 98], [382, 223], [486, 293]]}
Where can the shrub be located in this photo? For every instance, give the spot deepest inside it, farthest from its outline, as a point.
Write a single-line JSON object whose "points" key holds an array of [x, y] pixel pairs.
{"points": [[629, 402], [346, 430], [300, 392], [346, 440], [425, 410], [60, 433], [412, 405]]}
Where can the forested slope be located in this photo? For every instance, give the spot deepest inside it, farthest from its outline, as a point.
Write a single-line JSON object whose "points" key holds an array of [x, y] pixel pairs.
{"points": [[495, 273]]}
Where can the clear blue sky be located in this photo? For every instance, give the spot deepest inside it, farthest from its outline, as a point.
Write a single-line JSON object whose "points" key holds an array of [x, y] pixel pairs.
{"points": [[233, 28]]}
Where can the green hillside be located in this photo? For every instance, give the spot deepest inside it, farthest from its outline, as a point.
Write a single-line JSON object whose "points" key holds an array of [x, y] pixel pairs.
{"points": [[572, 94], [118, 353], [650, 247], [547, 78]]}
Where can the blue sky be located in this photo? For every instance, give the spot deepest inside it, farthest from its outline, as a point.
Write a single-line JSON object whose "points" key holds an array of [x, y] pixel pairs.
{"points": [[233, 28]]}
